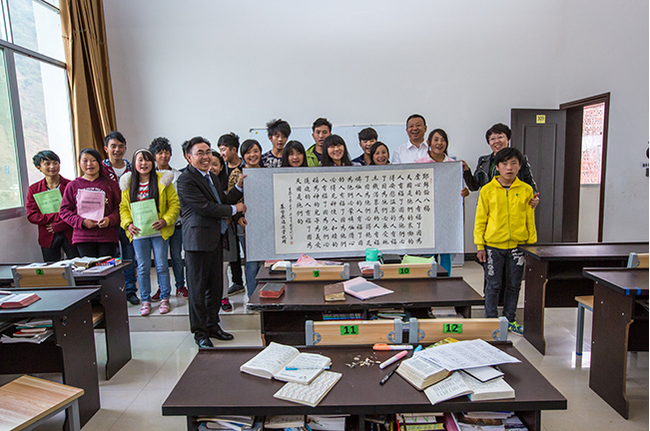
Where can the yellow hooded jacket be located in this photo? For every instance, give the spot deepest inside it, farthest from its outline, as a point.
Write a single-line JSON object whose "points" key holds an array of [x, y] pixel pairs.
{"points": [[504, 219], [168, 204]]}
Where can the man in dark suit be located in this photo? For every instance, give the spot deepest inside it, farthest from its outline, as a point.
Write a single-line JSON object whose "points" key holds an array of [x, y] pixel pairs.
{"points": [[204, 208]]}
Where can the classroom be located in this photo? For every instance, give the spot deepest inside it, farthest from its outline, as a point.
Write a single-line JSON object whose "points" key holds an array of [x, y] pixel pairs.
{"points": [[200, 67]]}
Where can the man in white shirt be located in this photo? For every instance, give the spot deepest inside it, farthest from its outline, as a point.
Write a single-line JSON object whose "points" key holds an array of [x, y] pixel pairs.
{"points": [[416, 128]]}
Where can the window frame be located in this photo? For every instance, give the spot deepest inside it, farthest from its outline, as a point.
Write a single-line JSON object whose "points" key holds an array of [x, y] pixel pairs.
{"points": [[10, 49]]}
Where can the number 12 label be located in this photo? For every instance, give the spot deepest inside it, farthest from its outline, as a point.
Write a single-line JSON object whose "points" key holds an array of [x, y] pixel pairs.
{"points": [[452, 328]]}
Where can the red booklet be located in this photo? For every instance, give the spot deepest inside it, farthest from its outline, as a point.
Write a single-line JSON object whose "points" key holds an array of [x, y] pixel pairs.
{"points": [[272, 290], [19, 300]]}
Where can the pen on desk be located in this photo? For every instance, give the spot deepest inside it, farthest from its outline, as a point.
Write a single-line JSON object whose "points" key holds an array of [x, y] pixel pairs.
{"points": [[306, 368], [394, 359], [4, 292], [387, 376], [418, 348], [384, 346]]}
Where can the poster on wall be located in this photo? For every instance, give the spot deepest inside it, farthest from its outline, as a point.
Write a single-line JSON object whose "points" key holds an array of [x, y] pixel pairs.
{"points": [[330, 211]]}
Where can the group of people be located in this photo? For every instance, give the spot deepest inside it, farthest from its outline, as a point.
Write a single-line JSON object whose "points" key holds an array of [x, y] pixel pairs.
{"points": [[200, 209]]}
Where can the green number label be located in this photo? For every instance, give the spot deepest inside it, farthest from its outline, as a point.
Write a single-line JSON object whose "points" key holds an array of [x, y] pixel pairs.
{"points": [[316, 273], [452, 328], [404, 271], [40, 272], [349, 329]]}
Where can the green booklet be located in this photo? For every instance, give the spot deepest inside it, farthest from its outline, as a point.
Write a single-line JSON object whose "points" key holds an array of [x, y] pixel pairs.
{"points": [[48, 202], [144, 214]]}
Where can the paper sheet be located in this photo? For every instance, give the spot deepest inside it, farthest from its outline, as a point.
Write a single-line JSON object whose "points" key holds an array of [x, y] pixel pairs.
{"points": [[467, 354]]}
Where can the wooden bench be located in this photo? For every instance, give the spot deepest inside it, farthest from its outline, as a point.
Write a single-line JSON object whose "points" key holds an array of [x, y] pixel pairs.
{"points": [[62, 276], [28, 401], [635, 260], [323, 272], [346, 332], [433, 330]]}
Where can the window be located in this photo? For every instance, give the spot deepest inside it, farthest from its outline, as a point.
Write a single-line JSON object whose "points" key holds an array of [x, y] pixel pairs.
{"points": [[35, 113]]}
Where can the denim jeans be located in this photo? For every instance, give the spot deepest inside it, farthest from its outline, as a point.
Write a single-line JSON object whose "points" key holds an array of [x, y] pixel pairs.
{"points": [[143, 247], [252, 268], [175, 249], [500, 263], [128, 254]]}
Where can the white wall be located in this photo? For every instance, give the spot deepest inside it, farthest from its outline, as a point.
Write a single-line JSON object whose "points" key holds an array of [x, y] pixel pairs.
{"points": [[605, 49], [200, 67]]}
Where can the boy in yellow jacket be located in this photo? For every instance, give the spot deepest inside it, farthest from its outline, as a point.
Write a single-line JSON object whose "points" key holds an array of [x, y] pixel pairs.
{"points": [[504, 219]]}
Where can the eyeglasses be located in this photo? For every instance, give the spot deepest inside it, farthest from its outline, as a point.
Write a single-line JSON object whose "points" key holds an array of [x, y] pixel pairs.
{"points": [[202, 153]]}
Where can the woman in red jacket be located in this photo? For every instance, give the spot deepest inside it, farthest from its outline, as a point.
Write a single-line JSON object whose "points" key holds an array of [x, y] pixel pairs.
{"points": [[54, 235], [91, 205]]}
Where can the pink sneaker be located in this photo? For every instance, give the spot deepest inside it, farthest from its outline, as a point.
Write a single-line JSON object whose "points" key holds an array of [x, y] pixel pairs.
{"points": [[145, 309]]}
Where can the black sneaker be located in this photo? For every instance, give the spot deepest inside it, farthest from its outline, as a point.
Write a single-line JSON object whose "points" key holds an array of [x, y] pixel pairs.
{"points": [[226, 306], [132, 298], [235, 288]]}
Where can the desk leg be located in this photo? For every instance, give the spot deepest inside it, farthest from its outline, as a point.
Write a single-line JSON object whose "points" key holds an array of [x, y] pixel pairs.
{"points": [[609, 337], [76, 338], [116, 319], [534, 302], [532, 419]]}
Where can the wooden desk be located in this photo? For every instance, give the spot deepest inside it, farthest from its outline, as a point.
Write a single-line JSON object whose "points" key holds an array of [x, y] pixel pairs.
{"points": [[620, 324], [283, 319], [226, 390], [70, 350], [264, 275], [554, 277], [116, 316]]}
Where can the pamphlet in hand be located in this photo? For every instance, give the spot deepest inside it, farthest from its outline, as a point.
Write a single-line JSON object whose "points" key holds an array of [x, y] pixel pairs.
{"points": [[48, 202], [286, 363], [90, 204], [144, 214]]}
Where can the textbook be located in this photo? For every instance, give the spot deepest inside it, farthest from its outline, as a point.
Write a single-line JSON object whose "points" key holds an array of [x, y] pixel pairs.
{"points": [[334, 292], [272, 290], [361, 288], [484, 374], [421, 372], [286, 363], [310, 394], [459, 383], [19, 300], [284, 421]]}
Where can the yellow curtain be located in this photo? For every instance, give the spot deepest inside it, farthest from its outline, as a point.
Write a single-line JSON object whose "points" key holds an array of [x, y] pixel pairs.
{"points": [[89, 75]]}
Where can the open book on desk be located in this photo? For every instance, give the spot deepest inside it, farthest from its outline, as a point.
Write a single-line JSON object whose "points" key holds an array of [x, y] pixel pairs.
{"points": [[459, 383], [286, 363]]}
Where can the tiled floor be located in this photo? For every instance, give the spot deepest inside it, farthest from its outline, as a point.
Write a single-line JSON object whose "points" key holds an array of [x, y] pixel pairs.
{"points": [[132, 399]]}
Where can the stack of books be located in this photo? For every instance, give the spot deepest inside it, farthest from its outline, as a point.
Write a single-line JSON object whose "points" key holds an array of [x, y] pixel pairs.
{"points": [[484, 421], [229, 422], [420, 421], [29, 331]]}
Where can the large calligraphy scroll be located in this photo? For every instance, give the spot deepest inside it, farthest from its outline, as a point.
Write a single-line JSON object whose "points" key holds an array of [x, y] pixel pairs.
{"points": [[331, 212]]}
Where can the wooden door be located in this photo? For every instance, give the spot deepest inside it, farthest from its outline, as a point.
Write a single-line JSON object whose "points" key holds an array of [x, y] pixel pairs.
{"points": [[541, 135]]}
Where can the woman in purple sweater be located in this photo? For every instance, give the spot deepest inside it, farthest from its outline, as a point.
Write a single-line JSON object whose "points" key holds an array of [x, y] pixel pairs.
{"points": [[95, 226]]}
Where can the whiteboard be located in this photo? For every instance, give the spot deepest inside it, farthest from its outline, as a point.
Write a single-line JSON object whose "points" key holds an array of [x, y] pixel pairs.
{"points": [[393, 135], [265, 217]]}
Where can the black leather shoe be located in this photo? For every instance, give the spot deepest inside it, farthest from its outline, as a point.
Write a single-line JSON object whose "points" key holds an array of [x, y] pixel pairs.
{"points": [[132, 298], [204, 343], [220, 334]]}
